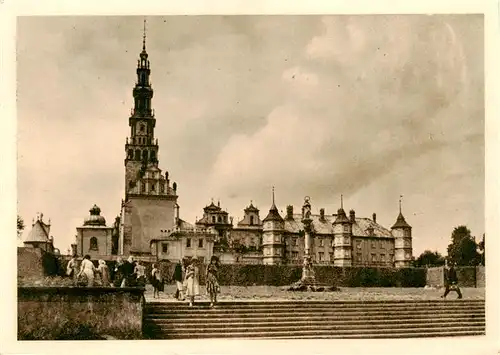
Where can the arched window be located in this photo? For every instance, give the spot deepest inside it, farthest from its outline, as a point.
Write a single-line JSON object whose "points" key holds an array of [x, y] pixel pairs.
{"points": [[251, 220], [144, 154], [219, 219], [143, 187], [213, 219], [137, 154], [130, 154], [93, 244], [153, 154], [162, 188], [152, 187]]}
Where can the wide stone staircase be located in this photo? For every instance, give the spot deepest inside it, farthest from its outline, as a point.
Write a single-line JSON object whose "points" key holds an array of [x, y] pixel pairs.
{"points": [[315, 319]]}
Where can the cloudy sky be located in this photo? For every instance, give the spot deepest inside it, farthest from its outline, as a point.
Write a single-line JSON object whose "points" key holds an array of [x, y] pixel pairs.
{"points": [[371, 107]]}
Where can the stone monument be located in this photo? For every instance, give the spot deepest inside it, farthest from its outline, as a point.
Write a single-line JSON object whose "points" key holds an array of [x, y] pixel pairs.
{"points": [[308, 280]]}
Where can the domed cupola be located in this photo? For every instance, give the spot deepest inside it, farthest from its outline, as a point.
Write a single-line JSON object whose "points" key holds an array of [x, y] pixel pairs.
{"points": [[95, 218]]}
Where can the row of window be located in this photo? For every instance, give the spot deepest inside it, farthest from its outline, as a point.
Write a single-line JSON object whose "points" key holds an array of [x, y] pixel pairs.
{"points": [[276, 252], [359, 257], [141, 155], [152, 187], [376, 257], [321, 242], [140, 140], [381, 244], [142, 103], [189, 243], [219, 219]]}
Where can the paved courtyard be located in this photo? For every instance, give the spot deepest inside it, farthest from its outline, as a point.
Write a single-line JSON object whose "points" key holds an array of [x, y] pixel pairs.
{"points": [[233, 293]]}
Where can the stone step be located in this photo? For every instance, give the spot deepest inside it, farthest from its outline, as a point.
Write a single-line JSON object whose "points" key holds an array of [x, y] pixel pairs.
{"points": [[307, 303], [456, 333], [290, 319], [222, 310], [323, 315], [394, 332], [242, 323]]}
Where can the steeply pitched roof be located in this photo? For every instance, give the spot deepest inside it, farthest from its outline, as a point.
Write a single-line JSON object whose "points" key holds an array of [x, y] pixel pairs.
{"points": [[251, 208], [211, 207], [401, 222], [273, 215], [341, 217], [39, 233], [359, 229]]}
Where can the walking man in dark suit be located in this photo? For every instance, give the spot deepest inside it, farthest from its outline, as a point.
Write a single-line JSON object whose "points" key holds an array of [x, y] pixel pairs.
{"points": [[451, 281]]}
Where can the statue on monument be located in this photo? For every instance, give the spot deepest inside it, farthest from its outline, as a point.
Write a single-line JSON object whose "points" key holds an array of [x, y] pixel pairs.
{"points": [[306, 209]]}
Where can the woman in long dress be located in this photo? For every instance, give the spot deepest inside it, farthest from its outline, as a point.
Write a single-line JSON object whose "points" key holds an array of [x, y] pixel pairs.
{"points": [[177, 277], [119, 275], [71, 268], [88, 269], [156, 281], [213, 287], [103, 271], [140, 274], [192, 281]]}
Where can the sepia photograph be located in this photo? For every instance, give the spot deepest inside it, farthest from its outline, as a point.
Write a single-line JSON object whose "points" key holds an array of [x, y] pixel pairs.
{"points": [[251, 177]]}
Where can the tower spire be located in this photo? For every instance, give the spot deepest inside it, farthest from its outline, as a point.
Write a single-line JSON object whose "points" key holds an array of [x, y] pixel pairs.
{"points": [[273, 195], [341, 201], [144, 36]]}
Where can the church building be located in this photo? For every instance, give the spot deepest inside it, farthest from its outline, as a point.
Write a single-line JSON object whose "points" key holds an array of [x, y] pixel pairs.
{"points": [[150, 199], [150, 227]]}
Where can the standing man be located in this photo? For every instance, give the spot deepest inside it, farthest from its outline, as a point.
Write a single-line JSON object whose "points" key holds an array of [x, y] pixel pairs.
{"points": [[451, 281]]}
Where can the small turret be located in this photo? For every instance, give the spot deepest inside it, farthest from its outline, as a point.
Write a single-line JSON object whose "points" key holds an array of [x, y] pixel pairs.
{"points": [[342, 235], [403, 248], [272, 238]]}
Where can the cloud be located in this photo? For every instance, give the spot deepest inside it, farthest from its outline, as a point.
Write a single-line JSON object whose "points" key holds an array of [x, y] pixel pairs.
{"points": [[384, 103]]}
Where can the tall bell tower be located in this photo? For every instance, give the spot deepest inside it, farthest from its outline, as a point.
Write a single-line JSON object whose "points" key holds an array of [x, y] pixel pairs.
{"points": [[148, 208], [141, 147]]}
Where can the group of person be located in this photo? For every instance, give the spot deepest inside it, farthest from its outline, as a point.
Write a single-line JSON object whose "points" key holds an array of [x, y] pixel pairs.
{"points": [[125, 273], [130, 273], [186, 275], [187, 279]]}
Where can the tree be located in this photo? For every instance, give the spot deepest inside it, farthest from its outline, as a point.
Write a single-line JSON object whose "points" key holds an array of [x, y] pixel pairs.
{"points": [[482, 252], [463, 248], [429, 258], [20, 225]]}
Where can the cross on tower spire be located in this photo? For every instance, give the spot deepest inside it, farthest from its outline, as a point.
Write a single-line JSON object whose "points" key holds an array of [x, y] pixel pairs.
{"points": [[341, 201], [400, 197], [273, 195], [144, 37]]}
